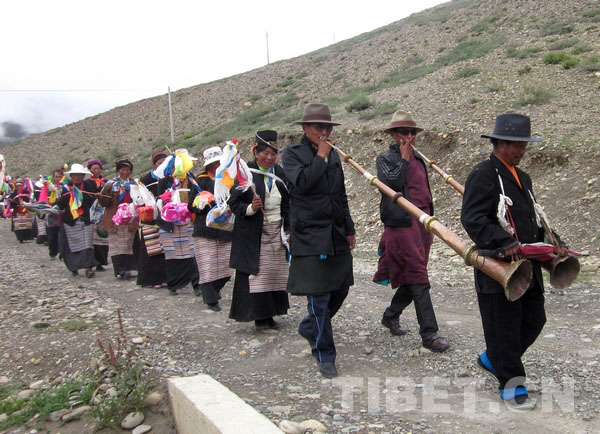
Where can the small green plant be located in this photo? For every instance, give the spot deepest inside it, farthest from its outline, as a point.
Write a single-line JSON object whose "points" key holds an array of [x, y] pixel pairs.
{"points": [[467, 72], [302, 74], [413, 60], [362, 102], [496, 87], [337, 77], [378, 111], [555, 28], [562, 44], [581, 48], [570, 63], [591, 64], [44, 402], [534, 94], [555, 58], [474, 100], [561, 57], [524, 70], [592, 15], [523, 53], [74, 325], [128, 378], [288, 81]]}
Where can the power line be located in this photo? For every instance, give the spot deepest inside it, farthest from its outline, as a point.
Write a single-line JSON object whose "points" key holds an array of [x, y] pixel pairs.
{"points": [[76, 90]]}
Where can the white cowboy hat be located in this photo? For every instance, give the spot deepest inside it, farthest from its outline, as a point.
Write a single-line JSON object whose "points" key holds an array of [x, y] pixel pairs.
{"points": [[78, 168], [211, 155]]}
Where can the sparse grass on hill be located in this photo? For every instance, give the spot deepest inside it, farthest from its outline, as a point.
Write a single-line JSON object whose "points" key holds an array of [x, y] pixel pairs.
{"points": [[522, 53], [591, 64], [560, 57], [534, 94], [467, 72], [362, 102]]}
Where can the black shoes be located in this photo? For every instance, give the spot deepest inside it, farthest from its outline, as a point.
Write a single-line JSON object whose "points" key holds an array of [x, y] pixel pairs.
{"points": [[270, 323], [89, 273], [215, 307], [75, 273], [327, 369], [437, 344], [100, 268], [393, 325]]}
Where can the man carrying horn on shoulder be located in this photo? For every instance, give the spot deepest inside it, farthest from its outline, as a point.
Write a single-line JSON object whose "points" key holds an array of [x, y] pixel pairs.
{"points": [[322, 232], [405, 243], [498, 213]]}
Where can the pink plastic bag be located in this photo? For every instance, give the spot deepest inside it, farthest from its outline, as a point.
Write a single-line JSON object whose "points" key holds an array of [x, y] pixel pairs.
{"points": [[8, 212], [177, 213], [124, 215]]}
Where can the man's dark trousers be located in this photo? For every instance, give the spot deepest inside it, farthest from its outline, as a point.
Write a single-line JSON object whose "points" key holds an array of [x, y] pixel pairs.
{"points": [[419, 294], [316, 326], [510, 327]]}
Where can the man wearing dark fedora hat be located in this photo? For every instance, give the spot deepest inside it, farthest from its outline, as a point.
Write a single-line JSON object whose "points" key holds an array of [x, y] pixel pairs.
{"points": [[498, 213], [405, 243], [322, 232]]}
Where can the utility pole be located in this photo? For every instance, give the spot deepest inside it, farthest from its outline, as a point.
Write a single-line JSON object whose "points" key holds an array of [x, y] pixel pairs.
{"points": [[171, 116], [268, 48]]}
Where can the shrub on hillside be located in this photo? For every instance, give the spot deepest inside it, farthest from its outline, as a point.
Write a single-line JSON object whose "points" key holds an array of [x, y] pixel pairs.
{"points": [[467, 72], [534, 94], [555, 58], [360, 103], [591, 64]]}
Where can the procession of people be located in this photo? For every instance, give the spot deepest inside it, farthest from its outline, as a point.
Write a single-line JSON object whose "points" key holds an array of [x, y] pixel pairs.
{"points": [[291, 232]]}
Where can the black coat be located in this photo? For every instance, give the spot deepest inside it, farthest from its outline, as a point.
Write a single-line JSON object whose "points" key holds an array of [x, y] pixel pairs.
{"points": [[319, 215], [392, 170], [149, 180], [200, 230], [86, 203], [478, 215], [247, 231]]}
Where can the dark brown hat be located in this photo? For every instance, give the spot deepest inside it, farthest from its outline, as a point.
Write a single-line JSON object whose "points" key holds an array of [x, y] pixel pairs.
{"points": [[317, 114], [268, 138]]}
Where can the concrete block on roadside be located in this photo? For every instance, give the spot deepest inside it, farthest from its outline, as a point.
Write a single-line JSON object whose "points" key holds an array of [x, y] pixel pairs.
{"points": [[202, 404]]}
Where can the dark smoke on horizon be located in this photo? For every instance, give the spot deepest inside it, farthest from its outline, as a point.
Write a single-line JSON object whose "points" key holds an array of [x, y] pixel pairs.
{"points": [[11, 132]]}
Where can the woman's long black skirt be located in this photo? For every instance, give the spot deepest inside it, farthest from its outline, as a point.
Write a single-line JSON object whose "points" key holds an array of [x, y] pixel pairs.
{"points": [[152, 270], [250, 307]]}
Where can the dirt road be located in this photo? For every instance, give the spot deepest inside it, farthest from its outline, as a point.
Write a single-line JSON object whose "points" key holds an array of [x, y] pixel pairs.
{"points": [[386, 384]]}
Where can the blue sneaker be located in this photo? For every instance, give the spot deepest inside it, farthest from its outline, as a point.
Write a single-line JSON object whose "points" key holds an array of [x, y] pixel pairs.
{"points": [[517, 399], [484, 363]]}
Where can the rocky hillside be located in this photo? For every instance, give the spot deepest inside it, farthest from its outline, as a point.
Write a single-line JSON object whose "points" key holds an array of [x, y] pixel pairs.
{"points": [[454, 66]]}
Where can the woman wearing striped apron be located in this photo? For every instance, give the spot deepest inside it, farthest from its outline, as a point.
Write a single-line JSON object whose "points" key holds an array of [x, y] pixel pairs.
{"points": [[211, 246], [122, 240], [75, 237], [258, 253], [100, 243]]}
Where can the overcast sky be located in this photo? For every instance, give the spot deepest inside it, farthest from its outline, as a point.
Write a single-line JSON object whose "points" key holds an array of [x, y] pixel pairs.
{"points": [[64, 60]]}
